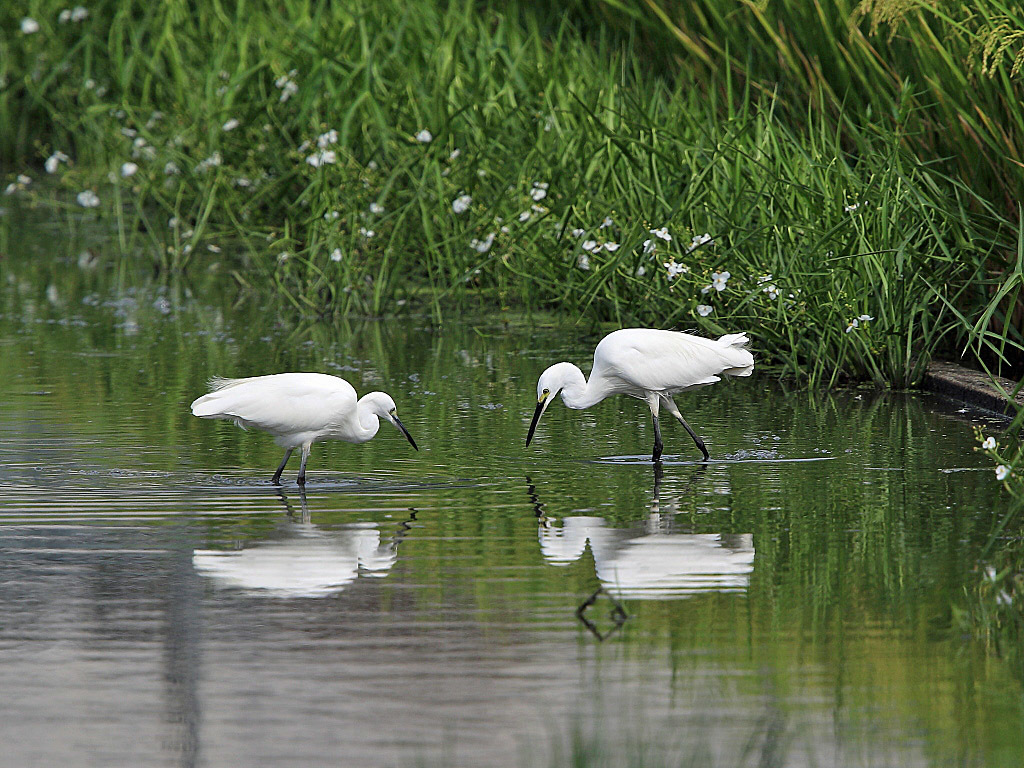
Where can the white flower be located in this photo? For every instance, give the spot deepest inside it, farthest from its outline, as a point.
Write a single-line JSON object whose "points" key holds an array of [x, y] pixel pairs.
{"points": [[172, 169], [525, 216], [611, 247], [211, 162], [989, 443], [865, 318], [336, 254], [606, 223], [1002, 472], [704, 310], [578, 232], [282, 257], [662, 233], [461, 203], [53, 161], [324, 140], [705, 290], [454, 154], [538, 194], [674, 269], [230, 125], [852, 207], [640, 271], [424, 136], [589, 245], [243, 182], [367, 233], [376, 208], [649, 246], [852, 324], [772, 291], [79, 13], [88, 199], [483, 246], [698, 241], [331, 216], [29, 26], [1004, 598], [372, 165], [767, 278], [65, 16], [128, 169], [323, 157], [990, 573], [288, 86], [719, 279], [583, 262]]}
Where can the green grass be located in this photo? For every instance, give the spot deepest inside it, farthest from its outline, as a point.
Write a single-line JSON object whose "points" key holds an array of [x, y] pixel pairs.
{"points": [[832, 194]]}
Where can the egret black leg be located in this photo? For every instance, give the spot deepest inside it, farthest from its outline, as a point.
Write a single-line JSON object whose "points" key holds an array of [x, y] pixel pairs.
{"points": [[302, 465], [674, 410], [276, 480], [654, 404]]}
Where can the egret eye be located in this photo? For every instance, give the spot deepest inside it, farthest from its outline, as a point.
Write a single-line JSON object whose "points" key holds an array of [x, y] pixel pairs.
{"points": [[546, 392]]}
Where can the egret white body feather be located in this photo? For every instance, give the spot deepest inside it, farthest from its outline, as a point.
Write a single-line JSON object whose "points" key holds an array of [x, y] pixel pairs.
{"points": [[649, 364], [299, 409]]}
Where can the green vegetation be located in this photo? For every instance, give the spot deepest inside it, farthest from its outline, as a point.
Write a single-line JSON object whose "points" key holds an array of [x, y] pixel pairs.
{"points": [[848, 197]]}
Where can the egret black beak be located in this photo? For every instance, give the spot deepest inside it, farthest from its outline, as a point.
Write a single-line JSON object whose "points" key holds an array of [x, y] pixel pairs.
{"points": [[404, 431], [536, 417]]}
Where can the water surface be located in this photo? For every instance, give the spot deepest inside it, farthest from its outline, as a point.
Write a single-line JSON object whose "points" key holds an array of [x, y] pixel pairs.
{"points": [[478, 602]]}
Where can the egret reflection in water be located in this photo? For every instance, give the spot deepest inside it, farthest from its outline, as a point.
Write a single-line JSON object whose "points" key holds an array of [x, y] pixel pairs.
{"points": [[652, 560], [307, 561]]}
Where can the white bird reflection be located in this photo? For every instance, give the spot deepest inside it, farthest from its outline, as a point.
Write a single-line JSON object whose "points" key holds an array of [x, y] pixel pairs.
{"points": [[307, 562], [651, 562]]}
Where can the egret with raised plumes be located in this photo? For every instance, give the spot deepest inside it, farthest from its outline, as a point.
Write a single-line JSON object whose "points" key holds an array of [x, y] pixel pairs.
{"points": [[650, 365], [299, 409]]}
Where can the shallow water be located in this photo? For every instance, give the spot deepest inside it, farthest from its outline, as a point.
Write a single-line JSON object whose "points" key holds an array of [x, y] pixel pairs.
{"points": [[476, 603]]}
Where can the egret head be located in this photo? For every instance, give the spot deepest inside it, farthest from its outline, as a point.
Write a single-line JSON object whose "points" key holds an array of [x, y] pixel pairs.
{"points": [[549, 385], [381, 405]]}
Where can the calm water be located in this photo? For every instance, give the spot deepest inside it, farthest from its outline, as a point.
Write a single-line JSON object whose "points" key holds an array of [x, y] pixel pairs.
{"points": [[477, 603]]}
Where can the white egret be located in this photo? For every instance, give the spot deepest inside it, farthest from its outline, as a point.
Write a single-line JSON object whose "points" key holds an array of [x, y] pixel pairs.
{"points": [[299, 409], [650, 365]]}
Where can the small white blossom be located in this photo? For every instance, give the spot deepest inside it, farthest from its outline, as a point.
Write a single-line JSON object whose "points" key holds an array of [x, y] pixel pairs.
{"points": [[53, 161], [612, 247], [525, 216], [88, 199], [1002, 472], [454, 154], [79, 13], [662, 233], [865, 318], [483, 246], [989, 443], [424, 136], [851, 207], [852, 324], [367, 233], [583, 262], [990, 573], [282, 257], [128, 169], [640, 271], [1004, 598], [29, 26], [704, 310], [372, 165], [172, 169], [288, 86], [331, 216], [231, 124], [606, 223], [538, 194], [324, 140], [590, 245], [649, 246], [719, 279], [772, 291], [461, 203], [212, 161], [336, 254], [674, 269], [323, 157], [767, 278], [376, 209], [698, 241], [578, 232]]}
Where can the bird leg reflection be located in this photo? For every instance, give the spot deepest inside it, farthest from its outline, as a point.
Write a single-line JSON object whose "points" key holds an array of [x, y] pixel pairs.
{"points": [[276, 479], [290, 510], [618, 615]]}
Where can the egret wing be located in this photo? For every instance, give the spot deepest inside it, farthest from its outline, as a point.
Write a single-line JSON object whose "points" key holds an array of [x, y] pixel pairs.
{"points": [[284, 403], [666, 361]]}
